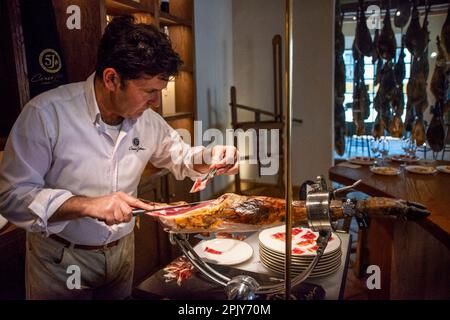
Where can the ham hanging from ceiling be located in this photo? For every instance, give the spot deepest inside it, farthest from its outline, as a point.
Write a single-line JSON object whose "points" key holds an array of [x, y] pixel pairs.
{"points": [[362, 34], [386, 42], [402, 14], [339, 84], [445, 35]]}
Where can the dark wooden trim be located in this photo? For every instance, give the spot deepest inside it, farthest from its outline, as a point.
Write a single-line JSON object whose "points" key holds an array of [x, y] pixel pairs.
{"points": [[166, 19], [179, 115], [19, 51]]}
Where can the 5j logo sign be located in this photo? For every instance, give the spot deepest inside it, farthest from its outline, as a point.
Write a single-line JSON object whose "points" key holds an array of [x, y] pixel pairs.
{"points": [[374, 17], [50, 61]]}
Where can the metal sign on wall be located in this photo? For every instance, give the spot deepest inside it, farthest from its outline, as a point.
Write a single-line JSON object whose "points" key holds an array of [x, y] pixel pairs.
{"points": [[43, 51]]}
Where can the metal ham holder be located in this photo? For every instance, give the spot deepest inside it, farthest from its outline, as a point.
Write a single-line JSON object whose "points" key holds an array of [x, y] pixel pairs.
{"points": [[244, 287]]}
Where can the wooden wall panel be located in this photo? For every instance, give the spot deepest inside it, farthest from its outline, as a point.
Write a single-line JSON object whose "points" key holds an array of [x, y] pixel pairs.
{"points": [[183, 42], [181, 8], [184, 92], [80, 46]]}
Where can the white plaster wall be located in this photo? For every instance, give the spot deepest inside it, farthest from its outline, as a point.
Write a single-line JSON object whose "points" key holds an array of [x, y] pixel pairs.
{"points": [[213, 54], [254, 24]]}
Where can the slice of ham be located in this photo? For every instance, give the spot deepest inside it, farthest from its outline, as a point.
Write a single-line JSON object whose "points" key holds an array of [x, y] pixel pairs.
{"points": [[306, 242], [198, 185], [309, 235], [279, 236], [211, 250], [297, 251], [177, 211]]}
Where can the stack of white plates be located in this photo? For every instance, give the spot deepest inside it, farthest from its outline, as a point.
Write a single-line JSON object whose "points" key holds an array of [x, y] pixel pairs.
{"points": [[272, 251]]}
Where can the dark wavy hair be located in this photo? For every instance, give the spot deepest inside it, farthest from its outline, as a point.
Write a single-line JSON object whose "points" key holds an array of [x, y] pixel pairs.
{"points": [[135, 50]]}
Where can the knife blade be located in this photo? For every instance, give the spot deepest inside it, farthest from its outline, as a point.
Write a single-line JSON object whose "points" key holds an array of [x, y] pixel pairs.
{"points": [[138, 212]]}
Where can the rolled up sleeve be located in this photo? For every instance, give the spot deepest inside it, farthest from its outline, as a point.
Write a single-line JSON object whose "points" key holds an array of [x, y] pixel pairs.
{"points": [[176, 155], [25, 200]]}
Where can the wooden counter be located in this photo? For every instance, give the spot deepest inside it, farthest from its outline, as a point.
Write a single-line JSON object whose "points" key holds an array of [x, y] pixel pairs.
{"points": [[414, 257], [431, 190]]}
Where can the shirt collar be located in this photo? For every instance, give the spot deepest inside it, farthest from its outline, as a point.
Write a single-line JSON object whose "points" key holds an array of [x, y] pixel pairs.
{"points": [[93, 109]]}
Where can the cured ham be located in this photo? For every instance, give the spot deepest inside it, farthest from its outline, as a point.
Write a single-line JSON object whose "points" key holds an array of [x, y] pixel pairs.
{"points": [[435, 131], [362, 36], [237, 213], [415, 39], [445, 34], [386, 42], [403, 14], [339, 84], [439, 87]]}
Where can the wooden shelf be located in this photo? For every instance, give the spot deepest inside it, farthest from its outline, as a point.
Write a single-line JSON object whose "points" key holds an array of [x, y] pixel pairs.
{"points": [[185, 68], [178, 116], [171, 20], [117, 7]]}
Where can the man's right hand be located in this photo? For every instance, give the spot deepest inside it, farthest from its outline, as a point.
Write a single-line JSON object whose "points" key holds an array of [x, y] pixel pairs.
{"points": [[112, 209]]}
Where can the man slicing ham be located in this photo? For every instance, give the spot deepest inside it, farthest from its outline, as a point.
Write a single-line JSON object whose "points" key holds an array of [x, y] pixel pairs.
{"points": [[74, 158]]}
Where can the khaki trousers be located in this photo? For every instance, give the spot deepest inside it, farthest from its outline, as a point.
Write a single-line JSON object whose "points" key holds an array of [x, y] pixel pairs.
{"points": [[55, 272]]}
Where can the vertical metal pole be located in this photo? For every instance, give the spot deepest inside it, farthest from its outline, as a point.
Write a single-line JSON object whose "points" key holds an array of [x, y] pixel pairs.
{"points": [[288, 126]]}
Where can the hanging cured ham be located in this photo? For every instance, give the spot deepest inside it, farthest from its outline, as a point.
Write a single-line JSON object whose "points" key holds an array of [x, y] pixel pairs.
{"points": [[435, 131], [358, 103], [415, 38], [386, 42], [439, 83], [445, 35], [362, 35], [402, 14], [439, 87], [339, 85]]}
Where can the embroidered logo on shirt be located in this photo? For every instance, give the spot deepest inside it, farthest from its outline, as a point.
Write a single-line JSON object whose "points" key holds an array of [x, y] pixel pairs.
{"points": [[136, 147]]}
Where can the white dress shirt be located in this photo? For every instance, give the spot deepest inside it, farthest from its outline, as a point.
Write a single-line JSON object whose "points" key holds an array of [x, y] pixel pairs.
{"points": [[59, 148]]}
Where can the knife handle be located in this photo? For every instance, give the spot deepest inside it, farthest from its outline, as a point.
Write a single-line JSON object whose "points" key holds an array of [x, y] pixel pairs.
{"points": [[138, 212]]}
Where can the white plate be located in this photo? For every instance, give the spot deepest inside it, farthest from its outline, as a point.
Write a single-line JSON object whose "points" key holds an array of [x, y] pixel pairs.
{"points": [[296, 272], [385, 171], [281, 258], [445, 169], [404, 158], [280, 266], [298, 258], [224, 251], [3, 222], [319, 267], [421, 169], [268, 239], [362, 160]]}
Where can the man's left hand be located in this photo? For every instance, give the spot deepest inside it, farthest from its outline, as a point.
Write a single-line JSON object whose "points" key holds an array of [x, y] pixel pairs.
{"points": [[223, 158]]}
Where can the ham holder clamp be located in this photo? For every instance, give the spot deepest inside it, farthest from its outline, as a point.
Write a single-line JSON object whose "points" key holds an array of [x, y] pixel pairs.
{"points": [[235, 213], [244, 287]]}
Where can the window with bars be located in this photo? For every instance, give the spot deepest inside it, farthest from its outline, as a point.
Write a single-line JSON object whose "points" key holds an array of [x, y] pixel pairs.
{"points": [[369, 77]]}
